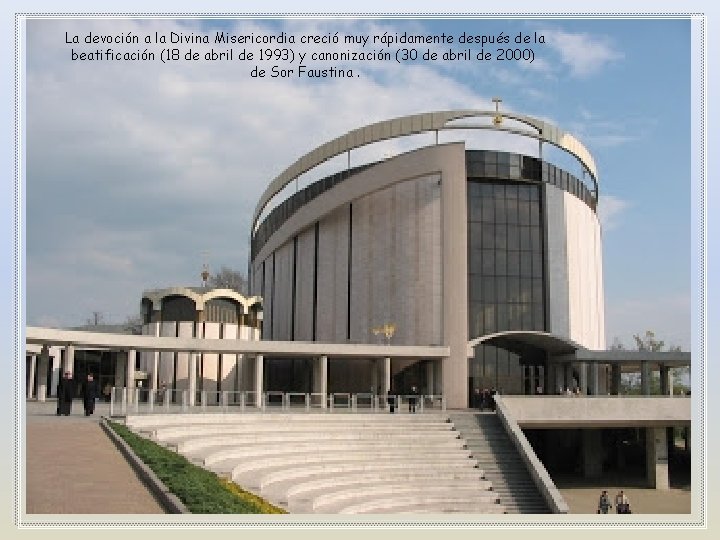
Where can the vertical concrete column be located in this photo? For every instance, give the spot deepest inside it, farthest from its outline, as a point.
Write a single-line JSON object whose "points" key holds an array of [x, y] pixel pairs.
{"points": [[322, 379], [130, 372], [568, 375], [69, 364], [583, 377], [192, 378], [259, 365], [155, 371], [31, 376], [559, 377], [56, 371], [615, 380], [430, 376], [387, 375], [530, 375], [42, 373], [657, 457], [645, 378], [666, 381], [592, 453], [239, 382], [120, 362], [454, 275], [594, 387]]}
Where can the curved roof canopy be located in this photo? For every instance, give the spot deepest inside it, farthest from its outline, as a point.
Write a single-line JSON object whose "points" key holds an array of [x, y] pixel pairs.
{"points": [[519, 340], [420, 123]]}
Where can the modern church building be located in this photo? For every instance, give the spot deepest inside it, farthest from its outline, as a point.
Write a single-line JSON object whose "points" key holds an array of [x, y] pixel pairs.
{"points": [[496, 255]]}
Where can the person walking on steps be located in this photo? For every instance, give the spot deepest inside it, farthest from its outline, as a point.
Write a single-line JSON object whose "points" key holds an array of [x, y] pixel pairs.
{"points": [[604, 503]]}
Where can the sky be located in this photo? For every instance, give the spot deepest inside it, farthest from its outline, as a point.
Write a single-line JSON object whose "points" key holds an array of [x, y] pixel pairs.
{"points": [[137, 172]]}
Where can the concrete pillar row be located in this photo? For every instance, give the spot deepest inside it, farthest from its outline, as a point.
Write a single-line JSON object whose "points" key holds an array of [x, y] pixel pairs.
{"points": [[69, 364], [192, 378], [666, 381], [387, 375], [583, 377], [430, 376], [259, 365], [323, 370], [645, 378], [130, 370], [31, 376], [657, 457], [615, 380], [42, 373], [594, 385]]}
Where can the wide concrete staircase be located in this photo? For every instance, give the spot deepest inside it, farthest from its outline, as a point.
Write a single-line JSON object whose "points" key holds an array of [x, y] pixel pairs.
{"points": [[334, 463], [496, 455]]}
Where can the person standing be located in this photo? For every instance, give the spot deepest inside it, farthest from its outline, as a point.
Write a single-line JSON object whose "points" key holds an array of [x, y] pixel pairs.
{"points": [[90, 392], [65, 394], [412, 401], [622, 503], [604, 503]]}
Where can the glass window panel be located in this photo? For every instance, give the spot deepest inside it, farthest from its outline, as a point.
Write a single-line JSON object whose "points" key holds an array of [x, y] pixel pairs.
{"points": [[473, 189], [513, 263], [486, 190], [538, 317], [514, 172], [534, 210], [474, 209], [503, 171], [525, 264], [526, 317], [514, 322], [503, 157], [477, 323], [534, 193], [490, 361], [511, 191], [489, 319], [513, 289], [501, 289], [524, 192], [490, 170], [537, 290], [501, 237], [500, 211], [475, 230], [512, 210], [488, 261], [475, 288], [545, 174], [563, 181], [475, 260], [491, 157], [537, 264], [501, 262], [535, 238], [499, 191], [488, 289], [514, 159], [488, 235], [524, 213], [502, 317], [488, 209], [525, 290], [525, 239], [513, 237]]}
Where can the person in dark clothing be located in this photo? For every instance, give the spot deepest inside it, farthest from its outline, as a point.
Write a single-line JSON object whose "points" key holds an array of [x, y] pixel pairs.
{"points": [[90, 392], [492, 398], [476, 402], [65, 394], [391, 399], [412, 400]]}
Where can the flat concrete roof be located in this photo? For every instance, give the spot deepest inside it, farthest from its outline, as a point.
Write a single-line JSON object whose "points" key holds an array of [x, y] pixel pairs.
{"points": [[598, 411], [53, 336]]}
